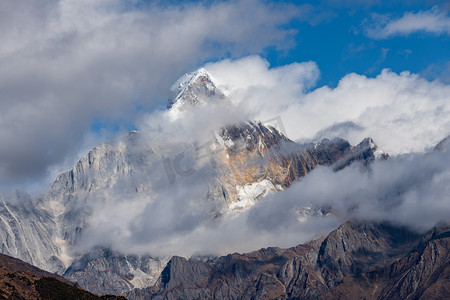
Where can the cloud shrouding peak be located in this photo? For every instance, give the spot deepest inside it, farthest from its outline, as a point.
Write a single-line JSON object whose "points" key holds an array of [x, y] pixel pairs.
{"points": [[402, 112], [410, 190], [435, 21], [66, 63]]}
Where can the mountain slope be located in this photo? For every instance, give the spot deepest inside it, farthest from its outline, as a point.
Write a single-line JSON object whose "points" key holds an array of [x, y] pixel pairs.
{"points": [[19, 280], [359, 260], [27, 232], [103, 270], [255, 158]]}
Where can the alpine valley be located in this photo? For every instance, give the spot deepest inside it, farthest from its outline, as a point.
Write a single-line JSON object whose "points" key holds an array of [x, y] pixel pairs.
{"points": [[68, 231]]}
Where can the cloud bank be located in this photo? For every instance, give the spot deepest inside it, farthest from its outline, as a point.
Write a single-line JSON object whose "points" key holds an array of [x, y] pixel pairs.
{"points": [[402, 112]]}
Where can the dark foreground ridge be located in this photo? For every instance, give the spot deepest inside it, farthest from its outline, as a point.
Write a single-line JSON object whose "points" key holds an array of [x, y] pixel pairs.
{"points": [[359, 260], [19, 280]]}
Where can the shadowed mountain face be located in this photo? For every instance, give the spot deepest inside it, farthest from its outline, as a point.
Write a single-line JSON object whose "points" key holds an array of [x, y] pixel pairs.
{"points": [[19, 280], [359, 260]]}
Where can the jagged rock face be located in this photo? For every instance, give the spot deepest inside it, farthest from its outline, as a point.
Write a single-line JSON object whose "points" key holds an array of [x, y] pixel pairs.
{"points": [[250, 162], [45, 230], [368, 244], [108, 171], [107, 271], [359, 260], [425, 272], [27, 231], [103, 168], [254, 159]]}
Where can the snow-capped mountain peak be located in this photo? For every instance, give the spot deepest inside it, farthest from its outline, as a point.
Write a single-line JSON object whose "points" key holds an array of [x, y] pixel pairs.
{"points": [[378, 153], [188, 78], [193, 89]]}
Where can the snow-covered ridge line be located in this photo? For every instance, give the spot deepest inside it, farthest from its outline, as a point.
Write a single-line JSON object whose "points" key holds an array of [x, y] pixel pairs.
{"points": [[193, 89], [184, 81]]}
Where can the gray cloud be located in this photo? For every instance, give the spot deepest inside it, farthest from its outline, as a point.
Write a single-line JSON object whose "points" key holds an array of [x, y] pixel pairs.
{"points": [[64, 63]]}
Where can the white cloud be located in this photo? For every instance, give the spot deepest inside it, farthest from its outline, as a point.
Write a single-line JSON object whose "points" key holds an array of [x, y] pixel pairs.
{"points": [[66, 62], [401, 112], [435, 21]]}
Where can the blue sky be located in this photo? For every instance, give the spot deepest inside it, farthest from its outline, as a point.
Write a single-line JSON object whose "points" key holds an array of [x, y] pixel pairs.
{"points": [[334, 35], [340, 45], [77, 72]]}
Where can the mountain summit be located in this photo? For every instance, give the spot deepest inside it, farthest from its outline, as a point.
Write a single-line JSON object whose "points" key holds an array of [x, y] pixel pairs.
{"points": [[194, 89]]}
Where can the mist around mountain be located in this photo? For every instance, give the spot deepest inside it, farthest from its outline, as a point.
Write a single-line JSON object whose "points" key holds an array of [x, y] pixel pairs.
{"points": [[201, 179]]}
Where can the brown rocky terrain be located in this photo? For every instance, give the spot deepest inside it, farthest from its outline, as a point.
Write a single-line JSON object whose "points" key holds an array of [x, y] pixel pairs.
{"points": [[19, 280], [359, 260], [252, 153]]}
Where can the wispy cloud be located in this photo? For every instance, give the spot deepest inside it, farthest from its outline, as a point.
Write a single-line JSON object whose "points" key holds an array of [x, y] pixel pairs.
{"points": [[435, 21]]}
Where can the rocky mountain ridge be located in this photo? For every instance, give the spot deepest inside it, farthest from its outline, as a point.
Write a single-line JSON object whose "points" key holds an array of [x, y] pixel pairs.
{"points": [[359, 260], [194, 89], [19, 280]]}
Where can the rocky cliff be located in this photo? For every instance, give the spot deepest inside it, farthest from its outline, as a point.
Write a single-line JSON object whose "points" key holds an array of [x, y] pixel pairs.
{"points": [[359, 260]]}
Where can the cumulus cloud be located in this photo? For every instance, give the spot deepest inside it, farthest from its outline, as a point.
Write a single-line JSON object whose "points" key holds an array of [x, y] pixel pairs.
{"points": [[65, 63], [435, 21], [402, 112]]}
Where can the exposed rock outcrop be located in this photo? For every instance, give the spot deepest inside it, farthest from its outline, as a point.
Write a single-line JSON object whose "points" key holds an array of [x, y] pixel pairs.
{"points": [[359, 260]]}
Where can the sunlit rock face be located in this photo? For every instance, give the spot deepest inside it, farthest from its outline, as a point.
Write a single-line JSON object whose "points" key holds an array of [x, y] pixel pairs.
{"points": [[254, 159]]}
